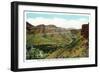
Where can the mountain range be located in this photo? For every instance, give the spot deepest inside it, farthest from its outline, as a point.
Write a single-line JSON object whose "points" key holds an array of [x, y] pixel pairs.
{"points": [[42, 28]]}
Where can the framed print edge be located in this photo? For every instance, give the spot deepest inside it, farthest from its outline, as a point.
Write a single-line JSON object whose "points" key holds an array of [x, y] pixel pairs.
{"points": [[96, 36], [14, 36]]}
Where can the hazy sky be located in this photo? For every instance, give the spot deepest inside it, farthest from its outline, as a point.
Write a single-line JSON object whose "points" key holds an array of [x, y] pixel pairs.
{"points": [[65, 20]]}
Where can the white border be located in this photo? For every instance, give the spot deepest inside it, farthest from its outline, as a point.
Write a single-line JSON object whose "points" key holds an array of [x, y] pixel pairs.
{"points": [[55, 62]]}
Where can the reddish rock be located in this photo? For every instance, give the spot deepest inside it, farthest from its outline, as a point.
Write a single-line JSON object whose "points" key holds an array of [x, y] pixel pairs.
{"points": [[29, 27], [85, 31], [40, 28]]}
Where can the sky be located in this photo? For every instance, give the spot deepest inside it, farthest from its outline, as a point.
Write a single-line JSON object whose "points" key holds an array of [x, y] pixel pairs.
{"points": [[64, 20]]}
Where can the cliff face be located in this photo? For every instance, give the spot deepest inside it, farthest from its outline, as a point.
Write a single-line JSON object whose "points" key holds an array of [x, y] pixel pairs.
{"points": [[39, 29], [29, 27], [85, 31], [42, 28]]}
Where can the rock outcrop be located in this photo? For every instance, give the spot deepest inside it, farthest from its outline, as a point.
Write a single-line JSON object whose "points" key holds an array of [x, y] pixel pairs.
{"points": [[85, 31], [42, 28]]}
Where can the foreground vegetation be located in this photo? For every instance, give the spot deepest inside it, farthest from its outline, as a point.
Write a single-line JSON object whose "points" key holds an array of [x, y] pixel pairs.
{"points": [[56, 45]]}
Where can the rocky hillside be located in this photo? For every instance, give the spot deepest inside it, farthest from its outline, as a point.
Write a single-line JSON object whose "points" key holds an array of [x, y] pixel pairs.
{"points": [[42, 28], [85, 31]]}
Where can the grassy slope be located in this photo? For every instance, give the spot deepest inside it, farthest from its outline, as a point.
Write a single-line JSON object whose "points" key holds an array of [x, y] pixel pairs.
{"points": [[74, 49]]}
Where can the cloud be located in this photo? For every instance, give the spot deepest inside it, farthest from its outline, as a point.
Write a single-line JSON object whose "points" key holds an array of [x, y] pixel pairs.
{"points": [[59, 22]]}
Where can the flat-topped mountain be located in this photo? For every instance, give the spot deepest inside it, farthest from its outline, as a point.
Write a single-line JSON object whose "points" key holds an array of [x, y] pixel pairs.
{"points": [[42, 28]]}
